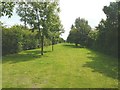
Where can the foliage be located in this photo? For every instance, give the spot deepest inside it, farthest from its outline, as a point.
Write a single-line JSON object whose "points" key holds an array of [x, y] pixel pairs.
{"points": [[29, 40], [104, 38], [42, 16], [79, 32], [61, 40], [23, 11], [108, 30], [11, 41], [6, 8], [19, 38], [16, 38], [74, 36], [92, 38]]}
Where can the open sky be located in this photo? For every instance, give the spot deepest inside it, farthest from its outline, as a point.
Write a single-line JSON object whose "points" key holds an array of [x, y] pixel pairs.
{"points": [[91, 10]]}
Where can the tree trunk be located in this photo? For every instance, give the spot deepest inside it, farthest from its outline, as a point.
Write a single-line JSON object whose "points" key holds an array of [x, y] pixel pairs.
{"points": [[25, 23], [52, 47], [42, 44], [39, 33], [39, 36], [52, 43], [76, 44]]}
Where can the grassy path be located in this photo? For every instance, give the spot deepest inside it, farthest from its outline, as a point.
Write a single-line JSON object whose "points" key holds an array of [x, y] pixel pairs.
{"points": [[65, 67]]}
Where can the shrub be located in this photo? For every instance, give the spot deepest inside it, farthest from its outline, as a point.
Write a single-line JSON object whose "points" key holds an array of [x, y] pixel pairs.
{"points": [[11, 41], [16, 38], [29, 40]]}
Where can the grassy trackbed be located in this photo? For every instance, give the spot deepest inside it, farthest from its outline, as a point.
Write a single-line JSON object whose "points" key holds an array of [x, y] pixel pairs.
{"points": [[66, 67]]}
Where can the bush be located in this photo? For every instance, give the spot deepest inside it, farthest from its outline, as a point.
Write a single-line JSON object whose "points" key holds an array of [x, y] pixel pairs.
{"points": [[29, 40], [16, 38], [11, 39]]}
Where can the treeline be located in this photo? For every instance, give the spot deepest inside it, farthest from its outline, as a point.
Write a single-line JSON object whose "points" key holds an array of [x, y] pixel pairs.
{"points": [[18, 38], [104, 37], [42, 18]]}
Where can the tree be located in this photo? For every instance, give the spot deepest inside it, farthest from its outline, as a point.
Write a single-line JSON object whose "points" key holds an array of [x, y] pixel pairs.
{"points": [[17, 38], [53, 25], [6, 8], [92, 38], [55, 29], [42, 16], [22, 10], [79, 32], [108, 30], [74, 36]]}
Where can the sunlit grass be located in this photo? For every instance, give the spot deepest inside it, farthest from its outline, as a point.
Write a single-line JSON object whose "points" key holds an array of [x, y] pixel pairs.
{"points": [[66, 67]]}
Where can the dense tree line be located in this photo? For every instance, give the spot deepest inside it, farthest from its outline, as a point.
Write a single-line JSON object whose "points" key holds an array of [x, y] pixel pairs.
{"points": [[104, 37], [18, 38], [41, 17], [108, 30]]}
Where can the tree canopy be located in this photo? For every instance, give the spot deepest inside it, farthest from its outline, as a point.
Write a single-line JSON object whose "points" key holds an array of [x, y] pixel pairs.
{"points": [[104, 37], [79, 32], [41, 16]]}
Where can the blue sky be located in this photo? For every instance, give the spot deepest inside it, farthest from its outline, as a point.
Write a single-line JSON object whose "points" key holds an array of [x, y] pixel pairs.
{"points": [[91, 10]]}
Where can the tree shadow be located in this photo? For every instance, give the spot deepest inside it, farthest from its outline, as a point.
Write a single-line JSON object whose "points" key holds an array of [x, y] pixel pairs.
{"points": [[103, 64], [72, 46], [23, 56]]}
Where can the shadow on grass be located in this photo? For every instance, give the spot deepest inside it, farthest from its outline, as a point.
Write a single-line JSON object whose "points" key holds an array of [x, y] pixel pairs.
{"points": [[100, 63], [72, 46], [23, 56], [103, 64]]}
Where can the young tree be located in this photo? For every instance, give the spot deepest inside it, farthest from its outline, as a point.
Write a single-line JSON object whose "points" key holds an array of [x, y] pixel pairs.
{"points": [[53, 23], [42, 16]]}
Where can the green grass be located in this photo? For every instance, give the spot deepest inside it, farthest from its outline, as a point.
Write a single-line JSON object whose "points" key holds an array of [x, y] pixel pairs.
{"points": [[66, 67]]}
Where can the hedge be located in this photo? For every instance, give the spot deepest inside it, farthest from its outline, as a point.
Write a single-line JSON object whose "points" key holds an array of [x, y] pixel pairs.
{"points": [[16, 39]]}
